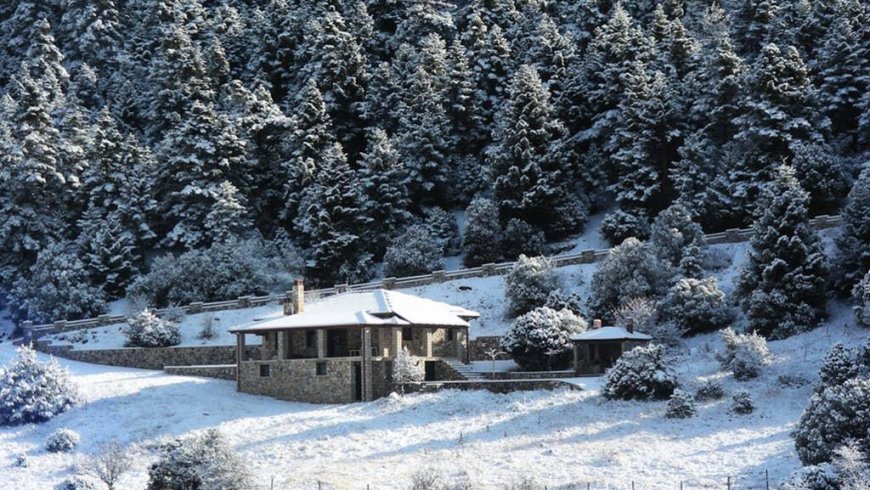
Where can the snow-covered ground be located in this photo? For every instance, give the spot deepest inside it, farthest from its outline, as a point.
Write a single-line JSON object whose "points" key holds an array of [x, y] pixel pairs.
{"points": [[556, 438]]}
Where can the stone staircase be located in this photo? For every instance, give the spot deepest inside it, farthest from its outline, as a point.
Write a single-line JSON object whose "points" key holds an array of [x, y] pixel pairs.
{"points": [[465, 370]]}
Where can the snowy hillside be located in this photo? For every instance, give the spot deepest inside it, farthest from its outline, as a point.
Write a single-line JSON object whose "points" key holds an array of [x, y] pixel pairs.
{"points": [[556, 438]]}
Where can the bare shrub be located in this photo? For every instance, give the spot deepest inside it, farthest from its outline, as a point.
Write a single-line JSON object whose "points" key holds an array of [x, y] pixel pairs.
{"points": [[111, 461]]}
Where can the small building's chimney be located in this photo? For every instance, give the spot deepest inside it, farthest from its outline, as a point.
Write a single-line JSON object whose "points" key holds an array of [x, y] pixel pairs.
{"points": [[298, 296], [596, 323], [629, 325]]}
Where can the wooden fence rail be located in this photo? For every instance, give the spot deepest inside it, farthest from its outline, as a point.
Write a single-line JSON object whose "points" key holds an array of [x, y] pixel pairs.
{"points": [[33, 332]]}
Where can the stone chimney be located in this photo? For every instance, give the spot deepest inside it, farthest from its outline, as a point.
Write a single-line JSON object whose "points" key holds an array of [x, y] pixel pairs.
{"points": [[298, 296], [596, 323], [629, 325]]}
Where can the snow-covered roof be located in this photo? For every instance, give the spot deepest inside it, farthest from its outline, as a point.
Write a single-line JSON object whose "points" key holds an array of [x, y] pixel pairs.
{"points": [[610, 333], [380, 307]]}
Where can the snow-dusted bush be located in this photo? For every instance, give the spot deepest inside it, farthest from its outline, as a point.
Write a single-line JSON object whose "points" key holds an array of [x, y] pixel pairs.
{"points": [[62, 441], [413, 252], [641, 373], [640, 312], [619, 225], [521, 238], [837, 415], [861, 295], [33, 391], [629, 271], [147, 330], [426, 479], [203, 461], [838, 367], [406, 369], [744, 354], [710, 390], [696, 305], [672, 232], [814, 477], [75, 483], [21, 460], [559, 300], [206, 331], [442, 228], [529, 283], [540, 339], [482, 232], [110, 462], [681, 406], [741, 402], [57, 288], [226, 270]]}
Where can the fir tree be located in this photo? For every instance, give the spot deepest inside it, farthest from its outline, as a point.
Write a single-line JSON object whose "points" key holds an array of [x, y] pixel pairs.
{"points": [[198, 158], [531, 171], [108, 252], [384, 184], [332, 221], [92, 31], [778, 112], [782, 287], [853, 258], [482, 232]]}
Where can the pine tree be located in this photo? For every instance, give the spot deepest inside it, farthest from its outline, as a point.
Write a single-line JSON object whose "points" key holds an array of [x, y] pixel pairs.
{"points": [[491, 70], [646, 143], [821, 173], [482, 232], [853, 258], [198, 159], [312, 135], [838, 367], [672, 232], [332, 221], [32, 181], [424, 140], [92, 32], [384, 183], [782, 287], [777, 112], [531, 171], [107, 251], [331, 57]]}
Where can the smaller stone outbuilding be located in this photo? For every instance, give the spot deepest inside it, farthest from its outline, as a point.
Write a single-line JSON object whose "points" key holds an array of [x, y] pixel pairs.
{"points": [[596, 350]]}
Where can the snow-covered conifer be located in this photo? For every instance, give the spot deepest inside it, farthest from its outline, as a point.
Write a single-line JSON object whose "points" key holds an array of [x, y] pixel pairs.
{"points": [[34, 391], [203, 460], [57, 287], [443, 228], [531, 170], [629, 271], [782, 287], [521, 238], [413, 252], [853, 259], [529, 283], [482, 231], [741, 403], [406, 369], [540, 339], [696, 306], [108, 253], [833, 417], [838, 367], [681, 405], [672, 232], [861, 295], [385, 188], [642, 373], [710, 390]]}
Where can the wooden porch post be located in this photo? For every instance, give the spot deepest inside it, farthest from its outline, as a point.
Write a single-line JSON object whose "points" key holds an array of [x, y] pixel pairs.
{"points": [[240, 355], [321, 343]]}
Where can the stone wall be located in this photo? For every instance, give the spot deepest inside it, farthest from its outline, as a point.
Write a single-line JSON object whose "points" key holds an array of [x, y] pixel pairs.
{"points": [[480, 345], [296, 380], [441, 346], [226, 371], [503, 386], [443, 372], [149, 358], [532, 374]]}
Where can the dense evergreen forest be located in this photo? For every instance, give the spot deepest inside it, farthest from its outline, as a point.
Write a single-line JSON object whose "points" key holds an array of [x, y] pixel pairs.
{"points": [[237, 138]]}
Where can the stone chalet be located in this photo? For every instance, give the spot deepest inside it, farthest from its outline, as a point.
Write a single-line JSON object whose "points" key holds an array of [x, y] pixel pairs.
{"points": [[596, 350], [341, 349]]}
